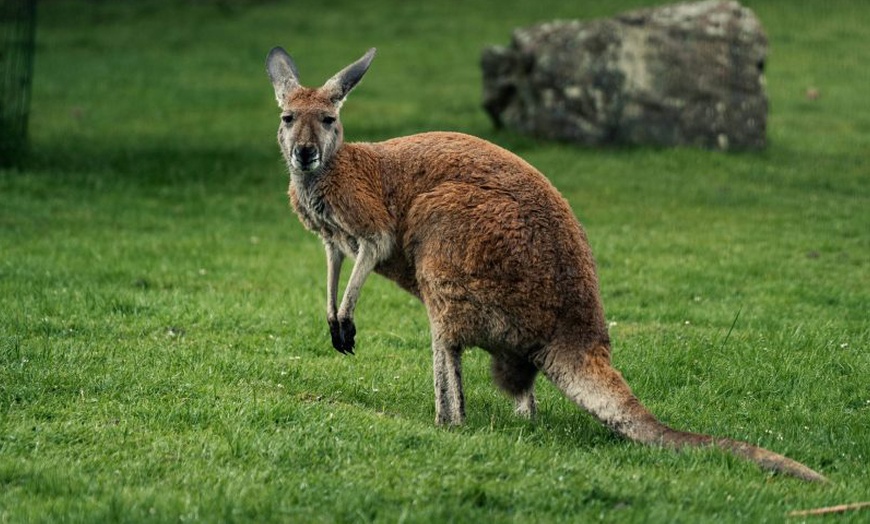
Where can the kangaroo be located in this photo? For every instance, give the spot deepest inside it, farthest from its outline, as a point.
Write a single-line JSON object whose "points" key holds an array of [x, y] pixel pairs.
{"points": [[484, 240]]}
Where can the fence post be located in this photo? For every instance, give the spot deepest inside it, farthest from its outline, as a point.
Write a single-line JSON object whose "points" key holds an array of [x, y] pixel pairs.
{"points": [[17, 34]]}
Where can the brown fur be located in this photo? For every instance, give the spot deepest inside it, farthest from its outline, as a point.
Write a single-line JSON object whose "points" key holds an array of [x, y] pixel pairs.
{"points": [[484, 240]]}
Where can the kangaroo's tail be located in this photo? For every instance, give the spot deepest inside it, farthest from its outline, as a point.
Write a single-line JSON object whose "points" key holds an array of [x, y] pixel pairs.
{"points": [[590, 381]]}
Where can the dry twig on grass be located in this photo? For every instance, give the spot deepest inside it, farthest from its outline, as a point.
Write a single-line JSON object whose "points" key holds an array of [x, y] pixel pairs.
{"points": [[842, 508]]}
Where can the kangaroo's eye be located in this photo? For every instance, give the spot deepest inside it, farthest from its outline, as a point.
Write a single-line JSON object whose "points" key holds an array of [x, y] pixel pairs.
{"points": [[328, 120], [287, 119]]}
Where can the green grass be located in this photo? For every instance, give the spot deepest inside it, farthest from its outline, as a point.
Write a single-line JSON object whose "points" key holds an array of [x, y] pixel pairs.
{"points": [[163, 349]]}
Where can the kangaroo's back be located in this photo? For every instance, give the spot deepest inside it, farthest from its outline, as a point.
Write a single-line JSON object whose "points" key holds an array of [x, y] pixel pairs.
{"points": [[477, 223]]}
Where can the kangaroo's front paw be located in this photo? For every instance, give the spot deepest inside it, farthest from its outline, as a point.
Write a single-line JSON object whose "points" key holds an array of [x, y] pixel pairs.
{"points": [[342, 332], [348, 332]]}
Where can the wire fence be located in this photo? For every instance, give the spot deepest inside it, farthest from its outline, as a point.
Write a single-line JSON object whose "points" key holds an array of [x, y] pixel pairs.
{"points": [[17, 34]]}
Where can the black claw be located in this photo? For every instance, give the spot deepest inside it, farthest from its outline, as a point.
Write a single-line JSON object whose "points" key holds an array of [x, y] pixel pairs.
{"points": [[348, 332], [335, 333], [342, 333]]}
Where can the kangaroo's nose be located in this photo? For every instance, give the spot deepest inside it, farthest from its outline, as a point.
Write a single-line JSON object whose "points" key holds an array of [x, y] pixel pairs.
{"points": [[305, 155]]}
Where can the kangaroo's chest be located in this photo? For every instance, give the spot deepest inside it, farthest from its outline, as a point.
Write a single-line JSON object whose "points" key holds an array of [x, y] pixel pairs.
{"points": [[320, 218]]}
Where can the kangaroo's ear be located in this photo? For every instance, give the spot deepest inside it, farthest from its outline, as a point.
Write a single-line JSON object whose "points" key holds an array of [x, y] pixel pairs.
{"points": [[283, 73], [341, 84]]}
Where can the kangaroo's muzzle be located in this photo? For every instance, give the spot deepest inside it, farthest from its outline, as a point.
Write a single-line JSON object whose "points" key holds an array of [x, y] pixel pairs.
{"points": [[305, 158]]}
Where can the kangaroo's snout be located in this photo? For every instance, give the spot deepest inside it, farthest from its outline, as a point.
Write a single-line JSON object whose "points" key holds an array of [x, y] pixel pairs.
{"points": [[305, 158]]}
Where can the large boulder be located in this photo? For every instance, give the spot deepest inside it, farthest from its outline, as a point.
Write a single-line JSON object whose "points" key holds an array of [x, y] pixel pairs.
{"points": [[683, 74]]}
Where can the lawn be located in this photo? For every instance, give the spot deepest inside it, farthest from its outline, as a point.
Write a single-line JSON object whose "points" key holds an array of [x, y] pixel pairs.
{"points": [[164, 354]]}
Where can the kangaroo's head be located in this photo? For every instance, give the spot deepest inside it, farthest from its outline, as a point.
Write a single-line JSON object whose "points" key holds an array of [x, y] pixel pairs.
{"points": [[310, 132]]}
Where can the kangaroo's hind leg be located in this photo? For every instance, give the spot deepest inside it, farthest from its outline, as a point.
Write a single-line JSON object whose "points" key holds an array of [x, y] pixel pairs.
{"points": [[447, 374], [516, 376]]}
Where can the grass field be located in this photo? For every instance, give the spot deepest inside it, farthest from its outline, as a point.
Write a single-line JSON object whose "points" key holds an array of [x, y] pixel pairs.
{"points": [[164, 354]]}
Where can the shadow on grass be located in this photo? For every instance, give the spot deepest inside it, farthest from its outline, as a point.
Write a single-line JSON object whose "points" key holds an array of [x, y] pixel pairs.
{"points": [[155, 163]]}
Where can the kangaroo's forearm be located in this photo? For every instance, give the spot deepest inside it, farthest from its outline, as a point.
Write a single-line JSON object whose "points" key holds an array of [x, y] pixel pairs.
{"points": [[366, 260], [334, 259]]}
